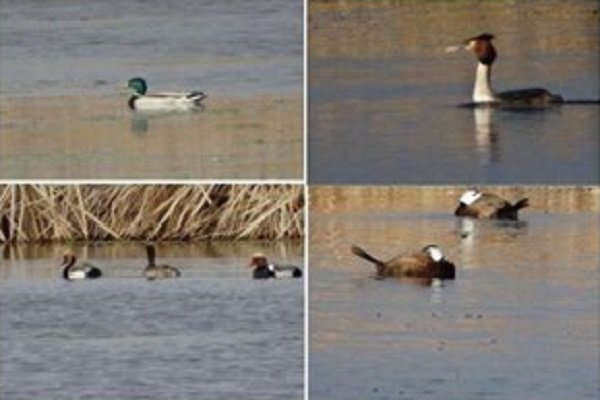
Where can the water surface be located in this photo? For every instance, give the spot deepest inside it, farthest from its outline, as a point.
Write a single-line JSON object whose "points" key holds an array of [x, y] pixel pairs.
{"points": [[520, 320], [98, 138], [384, 93], [214, 333]]}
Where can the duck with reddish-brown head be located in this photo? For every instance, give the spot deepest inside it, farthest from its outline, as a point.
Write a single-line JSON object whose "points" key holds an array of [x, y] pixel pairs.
{"points": [[262, 269]]}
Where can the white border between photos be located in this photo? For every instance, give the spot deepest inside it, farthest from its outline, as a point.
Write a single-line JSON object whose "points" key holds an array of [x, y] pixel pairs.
{"points": [[305, 6]]}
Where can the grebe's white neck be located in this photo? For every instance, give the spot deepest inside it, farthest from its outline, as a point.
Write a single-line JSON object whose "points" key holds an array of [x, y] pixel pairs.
{"points": [[482, 92]]}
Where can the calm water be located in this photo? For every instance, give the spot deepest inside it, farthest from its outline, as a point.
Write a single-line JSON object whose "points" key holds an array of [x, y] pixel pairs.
{"points": [[225, 48], [214, 333], [383, 92], [64, 66], [520, 321]]}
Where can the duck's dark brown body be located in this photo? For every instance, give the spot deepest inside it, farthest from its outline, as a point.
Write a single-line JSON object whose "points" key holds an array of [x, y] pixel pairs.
{"points": [[153, 271], [491, 206], [416, 265]]}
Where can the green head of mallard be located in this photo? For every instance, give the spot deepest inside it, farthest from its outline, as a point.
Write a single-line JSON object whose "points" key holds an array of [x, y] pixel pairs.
{"points": [[138, 85]]}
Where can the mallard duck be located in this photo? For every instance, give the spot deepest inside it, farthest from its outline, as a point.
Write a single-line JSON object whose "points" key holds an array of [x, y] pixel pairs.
{"points": [[73, 272], [262, 269], [153, 271], [429, 263], [476, 204], [169, 101]]}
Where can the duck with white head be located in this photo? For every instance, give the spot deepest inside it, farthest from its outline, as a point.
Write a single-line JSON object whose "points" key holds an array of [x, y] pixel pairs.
{"points": [[476, 204], [429, 262]]}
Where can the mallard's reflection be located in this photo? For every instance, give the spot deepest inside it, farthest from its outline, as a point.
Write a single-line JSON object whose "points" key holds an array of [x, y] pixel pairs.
{"points": [[141, 120]]}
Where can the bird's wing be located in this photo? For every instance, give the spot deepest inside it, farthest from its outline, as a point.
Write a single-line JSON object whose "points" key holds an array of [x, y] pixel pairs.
{"points": [[489, 203]]}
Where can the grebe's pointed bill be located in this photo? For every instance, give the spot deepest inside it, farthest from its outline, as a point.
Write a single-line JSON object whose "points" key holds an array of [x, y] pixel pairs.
{"points": [[453, 49], [470, 43]]}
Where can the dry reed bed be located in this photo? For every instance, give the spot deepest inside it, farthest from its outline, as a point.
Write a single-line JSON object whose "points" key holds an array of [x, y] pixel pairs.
{"points": [[31, 213]]}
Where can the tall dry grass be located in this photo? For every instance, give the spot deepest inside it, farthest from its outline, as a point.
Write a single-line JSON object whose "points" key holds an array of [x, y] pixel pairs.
{"points": [[32, 213]]}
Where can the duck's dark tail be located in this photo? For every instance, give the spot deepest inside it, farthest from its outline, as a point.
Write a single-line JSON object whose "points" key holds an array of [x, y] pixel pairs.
{"points": [[196, 97], [363, 254], [581, 101], [521, 204]]}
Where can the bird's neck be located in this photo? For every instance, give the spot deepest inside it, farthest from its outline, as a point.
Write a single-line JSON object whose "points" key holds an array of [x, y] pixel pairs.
{"points": [[151, 253], [70, 263], [482, 92]]}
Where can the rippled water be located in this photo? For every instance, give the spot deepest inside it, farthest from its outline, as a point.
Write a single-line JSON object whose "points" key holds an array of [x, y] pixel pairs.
{"points": [[520, 320], [64, 67], [383, 92], [214, 333], [226, 48]]}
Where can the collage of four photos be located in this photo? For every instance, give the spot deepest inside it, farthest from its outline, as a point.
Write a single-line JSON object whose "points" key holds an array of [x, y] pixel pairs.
{"points": [[299, 199]]}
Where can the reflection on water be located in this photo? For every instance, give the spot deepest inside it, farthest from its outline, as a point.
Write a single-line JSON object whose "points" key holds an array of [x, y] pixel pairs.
{"points": [[520, 320], [486, 136], [384, 93], [212, 334], [141, 120]]}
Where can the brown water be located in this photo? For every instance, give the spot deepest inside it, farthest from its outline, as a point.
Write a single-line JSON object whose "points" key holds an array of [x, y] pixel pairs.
{"points": [[520, 321], [383, 92], [214, 333], [100, 138]]}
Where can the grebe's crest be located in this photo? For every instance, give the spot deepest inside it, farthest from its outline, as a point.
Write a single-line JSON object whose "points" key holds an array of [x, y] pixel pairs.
{"points": [[470, 196], [434, 252], [486, 37]]}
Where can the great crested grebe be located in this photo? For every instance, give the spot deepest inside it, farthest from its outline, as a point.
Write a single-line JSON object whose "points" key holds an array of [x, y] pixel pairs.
{"points": [[429, 262], [169, 101], [153, 271], [483, 93], [262, 269], [72, 272], [476, 204]]}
